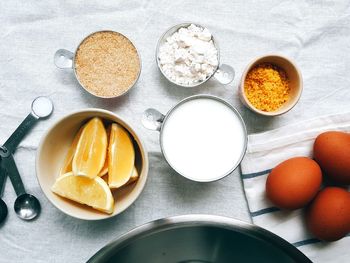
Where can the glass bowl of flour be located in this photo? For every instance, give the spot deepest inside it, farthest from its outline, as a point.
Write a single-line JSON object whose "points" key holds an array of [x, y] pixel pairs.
{"points": [[188, 55]]}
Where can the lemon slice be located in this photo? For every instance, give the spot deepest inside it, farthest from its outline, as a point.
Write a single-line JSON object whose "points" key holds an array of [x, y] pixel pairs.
{"points": [[92, 192], [67, 164], [104, 169], [91, 150], [134, 176], [121, 157]]}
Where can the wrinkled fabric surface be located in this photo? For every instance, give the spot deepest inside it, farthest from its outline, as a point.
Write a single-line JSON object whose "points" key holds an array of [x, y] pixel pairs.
{"points": [[316, 34]]}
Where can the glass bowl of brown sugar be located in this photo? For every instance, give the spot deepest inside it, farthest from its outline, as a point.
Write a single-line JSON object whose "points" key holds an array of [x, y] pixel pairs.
{"points": [[105, 63]]}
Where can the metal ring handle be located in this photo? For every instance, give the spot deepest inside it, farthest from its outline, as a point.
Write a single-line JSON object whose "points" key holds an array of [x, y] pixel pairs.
{"points": [[152, 119], [225, 74], [63, 59]]}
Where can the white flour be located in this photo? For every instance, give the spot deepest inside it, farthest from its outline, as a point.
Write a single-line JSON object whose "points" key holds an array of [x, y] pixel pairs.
{"points": [[189, 55]]}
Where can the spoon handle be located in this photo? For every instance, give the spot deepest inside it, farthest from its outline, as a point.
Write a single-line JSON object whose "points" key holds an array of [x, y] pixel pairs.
{"points": [[2, 179], [20, 132], [13, 173]]}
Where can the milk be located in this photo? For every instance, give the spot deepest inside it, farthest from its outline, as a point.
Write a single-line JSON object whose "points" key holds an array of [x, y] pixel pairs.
{"points": [[203, 139]]}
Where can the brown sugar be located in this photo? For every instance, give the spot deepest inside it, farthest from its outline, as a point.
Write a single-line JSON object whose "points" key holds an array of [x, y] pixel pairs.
{"points": [[107, 64], [267, 87]]}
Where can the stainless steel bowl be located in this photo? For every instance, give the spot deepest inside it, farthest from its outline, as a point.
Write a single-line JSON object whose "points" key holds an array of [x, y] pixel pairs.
{"points": [[152, 119], [65, 59], [223, 73], [199, 239]]}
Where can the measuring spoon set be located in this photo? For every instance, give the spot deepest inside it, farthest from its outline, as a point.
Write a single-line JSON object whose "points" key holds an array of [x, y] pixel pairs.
{"points": [[26, 206]]}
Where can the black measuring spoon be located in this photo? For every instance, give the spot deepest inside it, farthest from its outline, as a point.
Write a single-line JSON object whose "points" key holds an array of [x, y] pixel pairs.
{"points": [[26, 205]]}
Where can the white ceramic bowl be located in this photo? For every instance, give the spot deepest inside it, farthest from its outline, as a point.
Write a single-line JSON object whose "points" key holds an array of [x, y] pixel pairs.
{"points": [[53, 149]]}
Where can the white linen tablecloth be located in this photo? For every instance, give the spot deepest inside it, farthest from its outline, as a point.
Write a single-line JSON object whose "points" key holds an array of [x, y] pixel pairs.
{"points": [[316, 34]]}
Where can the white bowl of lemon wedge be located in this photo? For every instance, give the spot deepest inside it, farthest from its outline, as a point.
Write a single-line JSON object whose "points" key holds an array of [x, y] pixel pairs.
{"points": [[91, 164]]}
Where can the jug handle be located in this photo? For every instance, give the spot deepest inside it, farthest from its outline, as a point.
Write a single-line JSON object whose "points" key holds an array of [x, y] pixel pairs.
{"points": [[152, 119], [225, 74], [63, 59]]}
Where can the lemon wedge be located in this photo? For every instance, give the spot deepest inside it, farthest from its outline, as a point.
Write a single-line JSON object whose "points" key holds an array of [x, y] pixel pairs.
{"points": [[134, 176], [104, 169], [92, 192], [67, 164], [121, 157], [91, 150]]}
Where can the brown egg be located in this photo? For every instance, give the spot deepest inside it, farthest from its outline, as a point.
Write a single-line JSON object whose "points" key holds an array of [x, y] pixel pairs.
{"points": [[332, 153], [328, 216], [293, 183]]}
